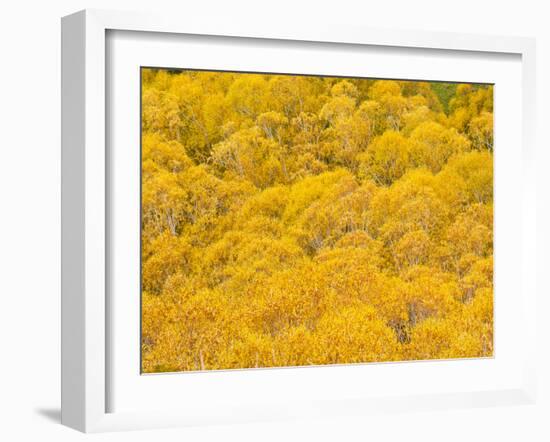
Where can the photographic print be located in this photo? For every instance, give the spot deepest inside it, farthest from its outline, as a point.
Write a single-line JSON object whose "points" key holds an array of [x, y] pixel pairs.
{"points": [[296, 220]]}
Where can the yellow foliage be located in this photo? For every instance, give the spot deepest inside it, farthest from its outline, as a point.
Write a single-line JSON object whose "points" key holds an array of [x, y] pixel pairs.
{"points": [[432, 145], [386, 159], [296, 220]]}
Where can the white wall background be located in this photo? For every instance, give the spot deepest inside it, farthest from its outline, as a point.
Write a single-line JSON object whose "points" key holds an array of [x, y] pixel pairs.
{"points": [[30, 216]]}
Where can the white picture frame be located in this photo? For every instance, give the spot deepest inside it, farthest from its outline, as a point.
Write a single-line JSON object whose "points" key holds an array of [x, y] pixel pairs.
{"points": [[85, 209]]}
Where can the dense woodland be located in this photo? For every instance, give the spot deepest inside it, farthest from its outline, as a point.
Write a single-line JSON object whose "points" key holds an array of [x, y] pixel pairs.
{"points": [[297, 220]]}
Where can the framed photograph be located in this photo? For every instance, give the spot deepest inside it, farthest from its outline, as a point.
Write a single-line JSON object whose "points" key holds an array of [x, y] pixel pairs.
{"points": [[271, 223]]}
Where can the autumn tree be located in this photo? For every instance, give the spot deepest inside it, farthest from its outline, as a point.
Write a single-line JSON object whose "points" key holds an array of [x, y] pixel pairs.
{"points": [[299, 220]]}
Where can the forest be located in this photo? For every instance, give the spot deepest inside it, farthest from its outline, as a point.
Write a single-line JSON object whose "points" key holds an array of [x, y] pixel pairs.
{"points": [[293, 220]]}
